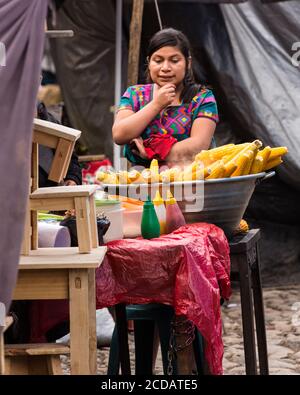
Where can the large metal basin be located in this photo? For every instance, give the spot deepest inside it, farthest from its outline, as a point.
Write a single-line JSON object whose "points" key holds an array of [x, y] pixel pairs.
{"points": [[225, 201], [222, 202]]}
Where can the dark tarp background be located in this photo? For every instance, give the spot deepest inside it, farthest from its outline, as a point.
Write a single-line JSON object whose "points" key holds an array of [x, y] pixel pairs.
{"points": [[22, 32], [243, 50]]}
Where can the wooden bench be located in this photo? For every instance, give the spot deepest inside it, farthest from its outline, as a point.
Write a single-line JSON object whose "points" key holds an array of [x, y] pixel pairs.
{"points": [[36, 359]]}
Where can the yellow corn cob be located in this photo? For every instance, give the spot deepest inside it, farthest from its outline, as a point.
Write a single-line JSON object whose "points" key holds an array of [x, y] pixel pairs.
{"points": [[111, 178], [204, 157], [243, 227], [241, 162], [123, 177], [135, 177], [247, 168], [278, 151], [230, 168], [265, 154], [150, 176], [257, 165], [247, 147], [189, 171], [170, 175], [217, 171], [101, 175], [107, 178], [273, 163]]}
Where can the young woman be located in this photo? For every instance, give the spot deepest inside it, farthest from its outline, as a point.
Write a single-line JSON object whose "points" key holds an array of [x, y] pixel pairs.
{"points": [[172, 118]]}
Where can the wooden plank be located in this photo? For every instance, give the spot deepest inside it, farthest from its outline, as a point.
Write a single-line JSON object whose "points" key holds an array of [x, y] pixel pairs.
{"points": [[90, 158], [36, 349], [83, 224], [34, 230], [41, 284], [61, 160], [55, 129], [135, 41], [93, 221], [54, 365], [2, 361], [44, 139], [26, 243], [61, 258], [34, 167], [55, 204], [79, 322], [64, 191], [68, 160], [92, 322]]}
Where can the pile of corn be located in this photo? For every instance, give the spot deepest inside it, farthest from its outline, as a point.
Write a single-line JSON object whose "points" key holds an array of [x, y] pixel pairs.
{"points": [[229, 160]]}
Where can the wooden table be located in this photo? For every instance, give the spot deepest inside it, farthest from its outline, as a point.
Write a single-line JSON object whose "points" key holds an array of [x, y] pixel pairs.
{"points": [[63, 273]]}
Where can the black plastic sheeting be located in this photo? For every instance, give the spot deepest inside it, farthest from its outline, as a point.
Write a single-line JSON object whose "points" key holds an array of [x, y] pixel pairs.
{"points": [[266, 92], [85, 67], [243, 50]]}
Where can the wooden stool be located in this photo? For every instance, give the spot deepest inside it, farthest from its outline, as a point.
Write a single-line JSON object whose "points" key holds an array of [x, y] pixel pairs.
{"points": [[245, 267], [36, 359], [80, 198], [60, 138]]}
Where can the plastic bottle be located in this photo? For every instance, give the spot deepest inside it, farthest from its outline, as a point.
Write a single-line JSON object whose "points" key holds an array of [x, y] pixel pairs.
{"points": [[174, 216], [160, 210], [150, 227]]}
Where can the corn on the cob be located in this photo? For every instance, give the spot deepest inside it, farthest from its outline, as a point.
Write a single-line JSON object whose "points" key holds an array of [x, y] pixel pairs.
{"points": [[135, 177], [230, 168], [247, 168], [257, 165], [236, 158], [273, 163], [217, 171], [265, 153], [242, 228], [241, 162], [170, 175], [278, 151]]}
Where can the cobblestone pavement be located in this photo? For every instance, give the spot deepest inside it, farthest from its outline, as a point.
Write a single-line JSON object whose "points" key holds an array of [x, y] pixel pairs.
{"points": [[282, 314]]}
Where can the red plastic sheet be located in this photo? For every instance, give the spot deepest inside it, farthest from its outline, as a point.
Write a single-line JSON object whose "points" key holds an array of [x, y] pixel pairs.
{"points": [[189, 269]]}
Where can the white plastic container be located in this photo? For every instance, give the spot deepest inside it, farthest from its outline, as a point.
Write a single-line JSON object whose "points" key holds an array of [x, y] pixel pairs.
{"points": [[114, 212], [132, 223]]}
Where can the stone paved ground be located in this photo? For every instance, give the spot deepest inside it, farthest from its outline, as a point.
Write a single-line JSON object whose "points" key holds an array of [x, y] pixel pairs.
{"points": [[282, 313]]}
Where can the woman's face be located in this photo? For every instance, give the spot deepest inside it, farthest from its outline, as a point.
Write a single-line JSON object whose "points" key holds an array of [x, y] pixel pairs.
{"points": [[167, 66]]}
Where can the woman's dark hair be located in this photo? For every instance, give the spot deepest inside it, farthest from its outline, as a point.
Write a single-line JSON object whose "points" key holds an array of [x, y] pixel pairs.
{"points": [[175, 38]]}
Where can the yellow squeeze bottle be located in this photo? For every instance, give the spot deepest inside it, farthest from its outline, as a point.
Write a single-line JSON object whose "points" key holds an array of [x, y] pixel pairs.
{"points": [[160, 212]]}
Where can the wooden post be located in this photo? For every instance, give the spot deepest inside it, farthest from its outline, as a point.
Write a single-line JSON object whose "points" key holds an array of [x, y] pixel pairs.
{"points": [[135, 41]]}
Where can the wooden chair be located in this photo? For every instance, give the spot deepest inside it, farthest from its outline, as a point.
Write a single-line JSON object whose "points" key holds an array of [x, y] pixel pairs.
{"points": [[37, 359]]}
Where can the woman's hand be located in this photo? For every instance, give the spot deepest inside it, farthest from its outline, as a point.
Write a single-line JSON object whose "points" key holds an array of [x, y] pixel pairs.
{"points": [[165, 95], [140, 149]]}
